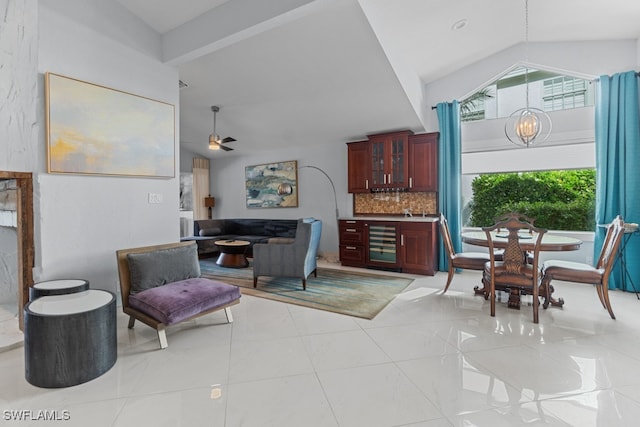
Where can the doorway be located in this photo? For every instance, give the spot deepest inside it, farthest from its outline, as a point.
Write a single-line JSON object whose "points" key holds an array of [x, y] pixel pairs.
{"points": [[24, 234]]}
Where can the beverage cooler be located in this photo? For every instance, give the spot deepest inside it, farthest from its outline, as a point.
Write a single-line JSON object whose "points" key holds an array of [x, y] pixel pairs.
{"points": [[383, 245]]}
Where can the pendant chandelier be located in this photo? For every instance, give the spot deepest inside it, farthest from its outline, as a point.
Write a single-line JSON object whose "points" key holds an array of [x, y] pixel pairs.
{"points": [[528, 125]]}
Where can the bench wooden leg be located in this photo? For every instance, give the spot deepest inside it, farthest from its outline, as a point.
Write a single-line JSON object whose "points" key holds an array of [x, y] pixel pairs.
{"points": [[227, 311], [132, 320], [162, 337]]}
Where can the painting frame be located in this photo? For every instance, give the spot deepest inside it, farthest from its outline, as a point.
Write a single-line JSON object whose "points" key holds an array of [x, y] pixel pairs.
{"points": [[272, 185], [97, 130]]}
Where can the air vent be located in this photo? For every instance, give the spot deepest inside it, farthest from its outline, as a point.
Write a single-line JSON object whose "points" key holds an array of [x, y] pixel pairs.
{"points": [[182, 84]]}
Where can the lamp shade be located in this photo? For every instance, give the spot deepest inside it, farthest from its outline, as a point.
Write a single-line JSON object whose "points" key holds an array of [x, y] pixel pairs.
{"points": [[209, 202]]}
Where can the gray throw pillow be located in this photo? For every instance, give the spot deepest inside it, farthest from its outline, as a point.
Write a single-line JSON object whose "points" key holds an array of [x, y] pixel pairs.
{"points": [[215, 231], [156, 268]]}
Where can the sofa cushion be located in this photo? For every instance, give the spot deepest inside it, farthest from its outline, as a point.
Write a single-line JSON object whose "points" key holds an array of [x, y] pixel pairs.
{"points": [[157, 268], [175, 302], [213, 231], [281, 228], [246, 226]]}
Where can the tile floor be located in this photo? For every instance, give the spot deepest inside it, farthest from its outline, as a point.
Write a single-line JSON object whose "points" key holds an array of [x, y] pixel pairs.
{"points": [[428, 360]]}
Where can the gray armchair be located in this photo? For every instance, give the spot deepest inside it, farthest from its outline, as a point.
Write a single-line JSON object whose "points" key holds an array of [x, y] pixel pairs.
{"points": [[296, 259]]}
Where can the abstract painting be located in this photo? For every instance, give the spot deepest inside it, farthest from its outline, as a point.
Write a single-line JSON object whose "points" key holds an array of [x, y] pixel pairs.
{"points": [[95, 130], [272, 185]]}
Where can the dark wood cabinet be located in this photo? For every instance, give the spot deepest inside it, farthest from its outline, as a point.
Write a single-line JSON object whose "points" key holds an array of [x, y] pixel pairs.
{"points": [[418, 247], [408, 247], [389, 160], [352, 243], [398, 160], [423, 162], [358, 167]]}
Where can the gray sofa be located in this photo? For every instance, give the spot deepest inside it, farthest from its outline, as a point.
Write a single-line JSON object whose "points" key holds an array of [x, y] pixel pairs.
{"points": [[208, 231]]}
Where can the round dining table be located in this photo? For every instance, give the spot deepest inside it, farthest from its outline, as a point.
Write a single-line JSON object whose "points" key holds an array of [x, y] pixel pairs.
{"points": [[550, 243]]}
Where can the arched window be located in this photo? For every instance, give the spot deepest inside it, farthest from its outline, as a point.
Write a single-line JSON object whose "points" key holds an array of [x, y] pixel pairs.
{"points": [[548, 91]]}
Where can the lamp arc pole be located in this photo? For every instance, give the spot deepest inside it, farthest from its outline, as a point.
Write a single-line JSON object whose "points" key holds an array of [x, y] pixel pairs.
{"points": [[333, 187]]}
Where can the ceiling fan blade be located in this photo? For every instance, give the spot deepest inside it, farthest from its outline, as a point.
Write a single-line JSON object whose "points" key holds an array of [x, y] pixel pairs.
{"points": [[228, 139], [225, 148]]}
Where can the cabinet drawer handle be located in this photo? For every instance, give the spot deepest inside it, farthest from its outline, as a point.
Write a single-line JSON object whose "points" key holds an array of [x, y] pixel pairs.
{"points": [[351, 248], [410, 182], [351, 230], [350, 222], [402, 240], [384, 178], [366, 184]]}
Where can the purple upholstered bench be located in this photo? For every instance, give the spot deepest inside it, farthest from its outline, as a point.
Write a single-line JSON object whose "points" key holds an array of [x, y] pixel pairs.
{"points": [[161, 286]]}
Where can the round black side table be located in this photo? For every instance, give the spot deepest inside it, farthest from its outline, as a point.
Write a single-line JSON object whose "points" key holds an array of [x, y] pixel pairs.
{"points": [[57, 287], [69, 339]]}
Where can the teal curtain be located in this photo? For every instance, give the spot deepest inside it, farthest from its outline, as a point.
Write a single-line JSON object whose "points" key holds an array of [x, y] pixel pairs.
{"points": [[449, 175], [617, 170]]}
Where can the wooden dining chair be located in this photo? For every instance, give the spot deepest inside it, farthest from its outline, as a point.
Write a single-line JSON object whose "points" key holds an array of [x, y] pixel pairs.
{"points": [[461, 260], [597, 275], [513, 271]]}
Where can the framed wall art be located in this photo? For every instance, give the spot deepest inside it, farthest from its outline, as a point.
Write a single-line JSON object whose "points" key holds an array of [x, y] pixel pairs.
{"points": [[96, 130], [272, 185]]}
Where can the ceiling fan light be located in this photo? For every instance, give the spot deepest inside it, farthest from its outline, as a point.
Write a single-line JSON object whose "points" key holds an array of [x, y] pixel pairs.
{"points": [[213, 143]]}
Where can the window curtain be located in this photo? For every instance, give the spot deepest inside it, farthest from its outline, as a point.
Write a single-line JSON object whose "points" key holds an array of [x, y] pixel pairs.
{"points": [[617, 172], [200, 187], [449, 175]]}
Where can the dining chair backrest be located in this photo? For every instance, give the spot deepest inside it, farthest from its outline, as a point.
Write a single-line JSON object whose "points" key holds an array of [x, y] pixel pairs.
{"points": [[615, 231], [446, 236], [514, 271], [514, 257], [511, 215]]}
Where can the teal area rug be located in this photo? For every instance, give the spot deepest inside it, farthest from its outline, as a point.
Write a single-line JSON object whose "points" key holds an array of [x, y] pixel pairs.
{"points": [[355, 294]]}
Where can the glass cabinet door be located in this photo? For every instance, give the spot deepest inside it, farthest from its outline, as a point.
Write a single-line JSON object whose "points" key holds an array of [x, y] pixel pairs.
{"points": [[397, 175], [377, 164]]}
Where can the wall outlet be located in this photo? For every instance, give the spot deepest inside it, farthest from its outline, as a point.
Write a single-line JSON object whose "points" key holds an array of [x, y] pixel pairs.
{"points": [[155, 198]]}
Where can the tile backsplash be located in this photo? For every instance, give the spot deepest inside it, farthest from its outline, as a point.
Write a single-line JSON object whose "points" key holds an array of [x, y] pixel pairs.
{"points": [[394, 203]]}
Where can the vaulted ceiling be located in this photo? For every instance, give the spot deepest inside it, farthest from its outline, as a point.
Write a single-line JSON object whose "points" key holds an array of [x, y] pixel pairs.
{"points": [[298, 72]]}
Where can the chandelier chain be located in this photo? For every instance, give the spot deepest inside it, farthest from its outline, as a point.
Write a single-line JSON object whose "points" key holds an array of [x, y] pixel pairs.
{"points": [[526, 51]]}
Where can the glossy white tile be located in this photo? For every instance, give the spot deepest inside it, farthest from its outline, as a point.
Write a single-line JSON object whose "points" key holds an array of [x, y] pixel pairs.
{"points": [[379, 395], [427, 360]]}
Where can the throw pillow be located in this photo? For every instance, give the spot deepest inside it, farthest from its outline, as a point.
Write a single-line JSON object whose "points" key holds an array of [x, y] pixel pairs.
{"points": [[156, 268]]}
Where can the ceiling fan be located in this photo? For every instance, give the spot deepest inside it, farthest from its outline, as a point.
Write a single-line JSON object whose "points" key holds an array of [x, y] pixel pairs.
{"points": [[215, 142]]}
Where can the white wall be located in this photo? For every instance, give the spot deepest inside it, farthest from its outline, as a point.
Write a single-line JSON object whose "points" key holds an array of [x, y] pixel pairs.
{"points": [[315, 195], [18, 66], [19, 148], [81, 221]]}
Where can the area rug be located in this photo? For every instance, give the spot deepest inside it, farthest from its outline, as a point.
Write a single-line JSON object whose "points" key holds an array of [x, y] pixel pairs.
{"points": [[355, 294]]}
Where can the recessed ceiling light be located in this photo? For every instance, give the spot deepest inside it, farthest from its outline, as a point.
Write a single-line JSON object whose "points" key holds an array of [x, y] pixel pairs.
{"points": [[458, 25]]}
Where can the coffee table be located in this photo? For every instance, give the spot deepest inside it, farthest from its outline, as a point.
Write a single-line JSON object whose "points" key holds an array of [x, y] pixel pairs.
{"points": [[232, 253]]}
